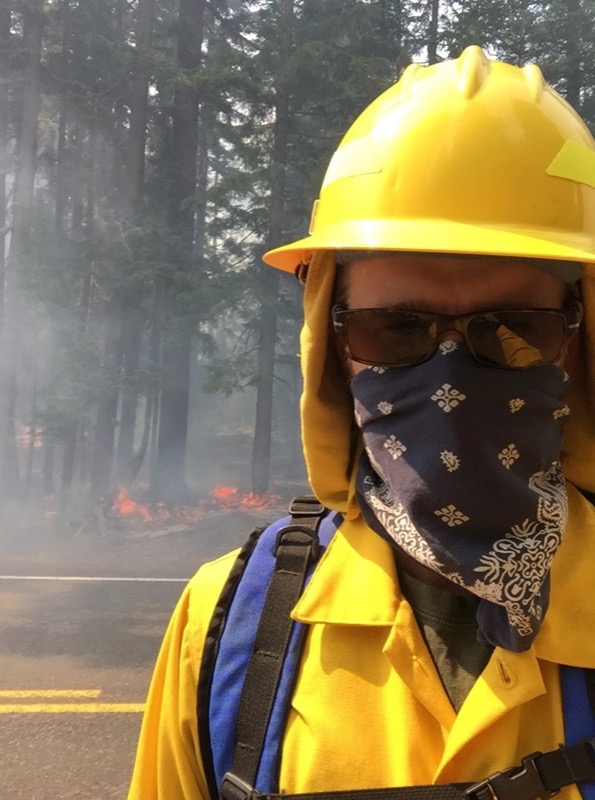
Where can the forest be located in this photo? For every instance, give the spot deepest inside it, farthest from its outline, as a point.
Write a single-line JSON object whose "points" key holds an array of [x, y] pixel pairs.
{"points": [[150, 152]]}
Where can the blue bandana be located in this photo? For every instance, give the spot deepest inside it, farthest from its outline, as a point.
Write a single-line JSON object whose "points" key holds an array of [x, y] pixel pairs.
{"points": [[461, 470]]}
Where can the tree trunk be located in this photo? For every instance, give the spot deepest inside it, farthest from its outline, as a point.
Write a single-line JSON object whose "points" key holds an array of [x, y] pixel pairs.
{"points": [[139, 104], [107, 406], [61, 199], [155, 361], [107, 409], [173, 418], [32, 431], [5, 19], [131, 335], [48, 468], [433, 33], [261, 449], [263, 426], [33, 20], [77, 201], [574, 77], [134, 187]]}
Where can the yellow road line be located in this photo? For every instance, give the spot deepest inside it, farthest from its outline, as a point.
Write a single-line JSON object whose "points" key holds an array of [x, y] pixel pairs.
{"points": [[20, 694], [72, 708]]}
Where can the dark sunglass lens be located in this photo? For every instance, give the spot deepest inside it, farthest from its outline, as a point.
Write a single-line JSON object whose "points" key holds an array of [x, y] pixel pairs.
{"points": [[390, 338], [517, 339]]}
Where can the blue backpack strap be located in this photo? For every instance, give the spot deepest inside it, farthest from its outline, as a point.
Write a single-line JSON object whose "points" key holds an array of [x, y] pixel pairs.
{"points": [[209, 657], [578, 702], [230, 644]]}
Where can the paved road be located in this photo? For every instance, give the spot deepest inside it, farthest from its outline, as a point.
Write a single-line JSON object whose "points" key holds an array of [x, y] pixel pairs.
{"points": [[75, 662], [76, 656]]}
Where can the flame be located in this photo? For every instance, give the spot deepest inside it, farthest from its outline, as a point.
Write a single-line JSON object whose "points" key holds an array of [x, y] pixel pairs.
{"points": [[126, 506], [28, 440], [226, 495], [224, 498], [229, 497]]}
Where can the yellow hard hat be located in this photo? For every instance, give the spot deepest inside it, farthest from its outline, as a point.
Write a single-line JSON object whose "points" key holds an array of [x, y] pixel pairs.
{"points": [[465, 156]]}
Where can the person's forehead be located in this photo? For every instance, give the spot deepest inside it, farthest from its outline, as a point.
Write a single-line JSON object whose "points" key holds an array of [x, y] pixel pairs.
{"points": [[401, 267], [392, 277]]}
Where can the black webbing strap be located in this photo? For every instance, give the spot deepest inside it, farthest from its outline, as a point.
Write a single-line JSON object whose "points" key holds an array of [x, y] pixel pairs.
{"points": [[296, 547], [234, 789], [209, 658], [590, 684], [541, 775]]}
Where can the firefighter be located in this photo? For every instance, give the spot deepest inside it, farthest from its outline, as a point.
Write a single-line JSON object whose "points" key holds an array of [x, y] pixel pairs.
{"points": [[448, 417]]}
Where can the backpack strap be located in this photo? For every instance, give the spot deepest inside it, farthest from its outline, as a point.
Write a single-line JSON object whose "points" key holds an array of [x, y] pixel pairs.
{"points": [[578, 702], [541, 775], [296, 548], [209, 658], [232, 638]]}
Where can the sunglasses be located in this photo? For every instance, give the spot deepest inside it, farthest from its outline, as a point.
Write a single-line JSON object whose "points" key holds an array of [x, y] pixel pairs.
{"points": [[509, 339]]}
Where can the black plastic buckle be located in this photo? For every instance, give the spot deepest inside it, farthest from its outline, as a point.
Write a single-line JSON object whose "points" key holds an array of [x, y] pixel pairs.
{"points": [[305, 538], [234, 788], [313, 507], [301, 271], [588, 742], [516, 783]]}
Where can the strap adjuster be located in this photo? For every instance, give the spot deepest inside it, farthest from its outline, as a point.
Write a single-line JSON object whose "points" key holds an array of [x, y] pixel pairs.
{"points": [[516, 783], [299, 536], [234, 788], [307, 506]]}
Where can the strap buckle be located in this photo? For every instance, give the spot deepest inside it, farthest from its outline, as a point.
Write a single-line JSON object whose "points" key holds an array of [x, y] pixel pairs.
{"points": [[516, 783], [301, 271], [300, 536], [234, 788], [306, 506]]}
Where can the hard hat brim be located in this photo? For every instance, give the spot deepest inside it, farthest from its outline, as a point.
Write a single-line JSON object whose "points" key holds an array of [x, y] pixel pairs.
{"points": [[435, 236]]}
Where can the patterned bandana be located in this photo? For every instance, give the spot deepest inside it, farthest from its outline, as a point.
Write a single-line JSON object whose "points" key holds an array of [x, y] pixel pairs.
{"points": [[461, 470]]}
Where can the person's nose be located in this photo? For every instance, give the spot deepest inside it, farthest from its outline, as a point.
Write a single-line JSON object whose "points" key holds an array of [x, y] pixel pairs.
{"points": [[452, 333]]}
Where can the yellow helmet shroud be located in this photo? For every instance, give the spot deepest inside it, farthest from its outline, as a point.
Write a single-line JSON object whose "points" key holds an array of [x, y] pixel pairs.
{"points": [[467, 156]]}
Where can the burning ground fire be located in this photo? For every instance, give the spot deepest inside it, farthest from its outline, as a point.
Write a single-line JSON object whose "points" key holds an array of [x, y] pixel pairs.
{"points": [[221, 498]]}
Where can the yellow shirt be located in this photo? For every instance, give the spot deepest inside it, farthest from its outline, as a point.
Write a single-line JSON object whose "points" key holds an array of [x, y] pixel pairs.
{"points": [[369, 709]]}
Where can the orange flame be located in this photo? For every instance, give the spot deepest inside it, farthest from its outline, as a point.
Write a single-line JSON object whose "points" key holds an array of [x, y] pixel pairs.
{"points": [[28, 440], [126, 506], [229, 497], [226, 495], [225, 498]]}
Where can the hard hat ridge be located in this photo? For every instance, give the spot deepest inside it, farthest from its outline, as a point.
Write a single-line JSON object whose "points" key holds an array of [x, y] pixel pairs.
{"points": [[535, 80], [474, 70]]}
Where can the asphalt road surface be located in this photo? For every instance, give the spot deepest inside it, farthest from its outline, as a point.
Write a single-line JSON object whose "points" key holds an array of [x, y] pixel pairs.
{"points": [[80, 626]]}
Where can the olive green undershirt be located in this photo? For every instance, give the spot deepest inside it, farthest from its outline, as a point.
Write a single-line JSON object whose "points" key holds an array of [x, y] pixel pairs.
{"points": [[447, 623]]}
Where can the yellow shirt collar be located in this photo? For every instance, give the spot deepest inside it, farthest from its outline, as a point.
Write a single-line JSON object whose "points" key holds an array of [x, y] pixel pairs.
{"points": [[356, 583]]}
